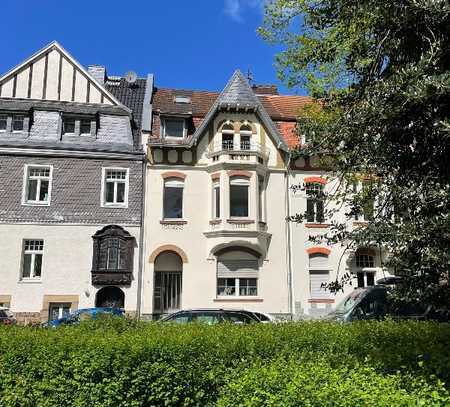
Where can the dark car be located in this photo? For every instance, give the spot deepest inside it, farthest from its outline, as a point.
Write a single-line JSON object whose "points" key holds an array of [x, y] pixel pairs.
{"points": [[212, 316], [6, 317], [84, 313], [374, 303]]}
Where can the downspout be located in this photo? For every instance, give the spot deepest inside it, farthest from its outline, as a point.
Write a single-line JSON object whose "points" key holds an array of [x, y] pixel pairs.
{"points": [[141, 239], [291, 296]]}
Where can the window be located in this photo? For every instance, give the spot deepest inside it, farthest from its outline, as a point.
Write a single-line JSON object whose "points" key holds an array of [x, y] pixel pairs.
{"points": [[57, 311], [365, 279], [3, 122], [115, 187], [32, 259], [37, 184], [364, 261], [76, 126], [318, 275], [69, 126], [227, 137], [85, 126], [113, 252], [314, 203], [237, 273], [216, 200], [261, 199], [173, 198], [245, 133], [174, 128], [239, 197], [17, 123]]}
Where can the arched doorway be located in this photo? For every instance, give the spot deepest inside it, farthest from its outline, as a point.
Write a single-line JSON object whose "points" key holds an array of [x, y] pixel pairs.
{"points": [[110, 297], [168, 282]]}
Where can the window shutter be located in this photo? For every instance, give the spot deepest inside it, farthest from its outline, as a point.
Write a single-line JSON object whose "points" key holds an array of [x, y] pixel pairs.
{"points": [[244, 268], [316, 279], [318, 261]]}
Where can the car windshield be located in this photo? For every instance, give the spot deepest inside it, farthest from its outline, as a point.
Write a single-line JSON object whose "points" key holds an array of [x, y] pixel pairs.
{"points": [[348, 302]]}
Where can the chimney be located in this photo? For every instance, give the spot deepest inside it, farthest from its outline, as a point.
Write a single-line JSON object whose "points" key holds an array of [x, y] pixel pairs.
{"points": [[265, 89], [98, 72]]}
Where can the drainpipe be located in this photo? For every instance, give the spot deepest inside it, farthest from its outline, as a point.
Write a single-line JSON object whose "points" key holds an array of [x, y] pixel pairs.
{"points": [[290, 275], [141, 239]]}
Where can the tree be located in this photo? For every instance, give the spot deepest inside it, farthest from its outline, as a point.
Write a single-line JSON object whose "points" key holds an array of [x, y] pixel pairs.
{"points": [[380, 73]]}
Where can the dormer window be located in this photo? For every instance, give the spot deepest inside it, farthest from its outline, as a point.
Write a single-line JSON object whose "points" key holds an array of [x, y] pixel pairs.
{"points": [[17, 122], [182, 99], [174, 128], [79, 126], [3, 122]]}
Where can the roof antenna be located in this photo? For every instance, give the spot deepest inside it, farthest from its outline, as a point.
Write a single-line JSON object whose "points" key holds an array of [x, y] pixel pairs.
{"points": [[250, 76]]}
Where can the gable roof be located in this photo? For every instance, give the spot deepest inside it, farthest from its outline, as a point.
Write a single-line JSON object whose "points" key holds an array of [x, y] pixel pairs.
{"points": [[238, 95], [53, 74]]}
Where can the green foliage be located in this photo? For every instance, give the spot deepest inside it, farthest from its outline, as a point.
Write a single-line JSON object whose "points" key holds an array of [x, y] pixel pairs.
{"points": [[126, 363], [382, 71]]}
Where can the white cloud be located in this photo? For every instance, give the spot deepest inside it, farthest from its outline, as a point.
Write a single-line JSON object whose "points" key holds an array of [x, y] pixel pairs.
{"points": [[236, 8]]}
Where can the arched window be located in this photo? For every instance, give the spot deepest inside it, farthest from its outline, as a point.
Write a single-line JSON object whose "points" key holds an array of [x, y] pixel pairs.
{"points": [[318, 275], [227, 136], [173, 198], [112, 260], [245, 134], [237, 272]]}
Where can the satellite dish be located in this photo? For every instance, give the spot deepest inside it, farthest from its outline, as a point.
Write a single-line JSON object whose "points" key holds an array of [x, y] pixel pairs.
{"points": [[131, 77]]}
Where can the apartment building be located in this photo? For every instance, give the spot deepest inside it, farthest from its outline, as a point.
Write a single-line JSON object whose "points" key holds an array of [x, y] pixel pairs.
{"points": [[71, 168], [117, 192]]}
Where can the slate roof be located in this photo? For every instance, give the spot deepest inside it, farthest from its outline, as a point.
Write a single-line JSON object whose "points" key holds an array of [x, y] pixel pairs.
{"points": [[132, 96], [281, 110]]}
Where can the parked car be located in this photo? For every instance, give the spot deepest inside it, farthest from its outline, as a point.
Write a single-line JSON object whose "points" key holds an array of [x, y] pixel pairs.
{"points": [[213, 316], [84, 313], [373, 303], [6, 317]]}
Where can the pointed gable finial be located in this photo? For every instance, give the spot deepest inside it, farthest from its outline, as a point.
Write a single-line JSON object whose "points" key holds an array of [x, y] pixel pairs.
{"points": [[249, 76]]}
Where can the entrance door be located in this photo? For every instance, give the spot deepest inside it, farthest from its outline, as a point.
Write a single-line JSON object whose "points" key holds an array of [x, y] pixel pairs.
{"points": [[168, 283], [167, 291]]}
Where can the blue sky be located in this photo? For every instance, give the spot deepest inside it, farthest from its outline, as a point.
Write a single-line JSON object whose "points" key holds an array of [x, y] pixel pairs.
{"points": [[193, 44]]}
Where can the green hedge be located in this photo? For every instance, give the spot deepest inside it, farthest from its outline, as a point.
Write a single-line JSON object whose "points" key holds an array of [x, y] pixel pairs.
{"points": [[123, 363]]}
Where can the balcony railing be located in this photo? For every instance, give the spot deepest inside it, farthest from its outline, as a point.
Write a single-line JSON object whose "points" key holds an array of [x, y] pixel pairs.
{"points": [[112, 277], [242, 150]]}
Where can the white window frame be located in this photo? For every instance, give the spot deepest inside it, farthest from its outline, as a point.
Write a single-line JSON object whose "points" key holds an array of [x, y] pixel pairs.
{"points": [[60, 306], [33, 259], [26, 169], [103, 202], [23, 123], [173, 182], [216, 185], [262, 198], [237, 287], [163, 122]]}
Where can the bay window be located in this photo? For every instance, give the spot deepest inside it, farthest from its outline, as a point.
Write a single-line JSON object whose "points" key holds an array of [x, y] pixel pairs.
{"points": [[239, 197]]}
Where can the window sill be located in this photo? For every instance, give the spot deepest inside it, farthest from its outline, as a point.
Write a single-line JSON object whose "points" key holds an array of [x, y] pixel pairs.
{"points": [[321, 301], [215, 221], [115, 206], [173, 222], [360, 222], [238, 299], [240, 221], [35, 203], [317, 225], [30, 281]]}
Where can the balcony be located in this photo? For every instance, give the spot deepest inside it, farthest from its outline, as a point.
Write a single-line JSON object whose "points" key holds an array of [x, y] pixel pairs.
{"points": [[243, 151]]}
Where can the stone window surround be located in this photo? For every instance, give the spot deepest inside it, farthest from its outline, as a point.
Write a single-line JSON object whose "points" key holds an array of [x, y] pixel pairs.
{"points": [[72, 299]]}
